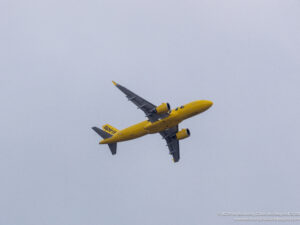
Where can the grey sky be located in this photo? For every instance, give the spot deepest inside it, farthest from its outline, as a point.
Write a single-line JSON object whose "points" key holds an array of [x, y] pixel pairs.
{"points": [[57, 60]]}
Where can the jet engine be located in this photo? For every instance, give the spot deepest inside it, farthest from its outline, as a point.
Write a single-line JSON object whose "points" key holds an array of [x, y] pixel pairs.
{"points": [[163, 108], [184, 133]]}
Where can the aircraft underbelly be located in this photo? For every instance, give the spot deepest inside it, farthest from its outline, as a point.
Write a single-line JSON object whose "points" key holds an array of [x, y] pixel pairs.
{"points": [[160, 125], [132, 132], [143, 128]]}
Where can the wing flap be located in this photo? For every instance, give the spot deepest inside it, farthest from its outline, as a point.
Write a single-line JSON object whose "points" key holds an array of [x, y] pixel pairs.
{"points": [[172, 143]]}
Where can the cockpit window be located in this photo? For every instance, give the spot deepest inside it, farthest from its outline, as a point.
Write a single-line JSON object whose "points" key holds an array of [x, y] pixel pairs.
{"points": [[176, 109], [182, 107]]}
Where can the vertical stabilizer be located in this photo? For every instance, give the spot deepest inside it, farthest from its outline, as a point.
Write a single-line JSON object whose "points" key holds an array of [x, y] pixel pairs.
{"points": [[109, 129]]}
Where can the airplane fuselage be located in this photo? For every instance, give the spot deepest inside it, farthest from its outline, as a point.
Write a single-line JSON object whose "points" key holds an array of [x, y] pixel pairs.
{"points": [[146, 127]]}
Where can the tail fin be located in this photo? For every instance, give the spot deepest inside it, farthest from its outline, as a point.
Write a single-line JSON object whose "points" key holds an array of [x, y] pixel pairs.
{"points": [[110, 129], [104, 135]]}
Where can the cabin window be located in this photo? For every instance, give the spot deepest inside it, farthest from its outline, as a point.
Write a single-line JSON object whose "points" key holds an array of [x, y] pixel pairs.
{"points": [[176, 109]]}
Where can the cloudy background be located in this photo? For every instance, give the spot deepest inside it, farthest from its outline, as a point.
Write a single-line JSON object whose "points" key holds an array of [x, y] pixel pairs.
{"points": [[57, 61]]}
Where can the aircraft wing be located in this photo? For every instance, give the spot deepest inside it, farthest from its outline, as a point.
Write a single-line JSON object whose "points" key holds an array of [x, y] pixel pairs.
{"points": [[173, 144], [147, 107]]}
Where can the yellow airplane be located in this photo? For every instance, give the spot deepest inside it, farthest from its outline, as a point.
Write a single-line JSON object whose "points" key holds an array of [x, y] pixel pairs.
{"points": [[161, 119]]}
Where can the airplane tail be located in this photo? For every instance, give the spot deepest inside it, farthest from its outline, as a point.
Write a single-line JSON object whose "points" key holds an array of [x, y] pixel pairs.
{"points": [[104, 135], [110, 129]]}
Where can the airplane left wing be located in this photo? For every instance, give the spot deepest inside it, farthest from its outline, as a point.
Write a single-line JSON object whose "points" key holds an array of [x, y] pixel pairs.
{"points": [[173, 144], [148, 108]]}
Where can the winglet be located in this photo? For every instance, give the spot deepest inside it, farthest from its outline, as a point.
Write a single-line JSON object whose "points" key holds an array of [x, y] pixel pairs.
{"points": [[114, 83]]}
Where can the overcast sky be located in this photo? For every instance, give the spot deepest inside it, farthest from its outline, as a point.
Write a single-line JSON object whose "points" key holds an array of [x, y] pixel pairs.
{"points": [[57, 61]]}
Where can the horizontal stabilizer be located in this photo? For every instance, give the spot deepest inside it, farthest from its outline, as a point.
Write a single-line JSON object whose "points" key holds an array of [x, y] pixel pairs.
{"points": [[113, 148], [102, 133]]}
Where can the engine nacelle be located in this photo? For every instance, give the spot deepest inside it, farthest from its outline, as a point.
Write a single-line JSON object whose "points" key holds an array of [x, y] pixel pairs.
{"points": [[184, 133], [163, 108]]}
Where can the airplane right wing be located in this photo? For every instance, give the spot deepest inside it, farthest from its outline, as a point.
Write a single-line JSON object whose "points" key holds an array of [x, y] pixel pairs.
{"points": [[173, 144], [148, 108]]}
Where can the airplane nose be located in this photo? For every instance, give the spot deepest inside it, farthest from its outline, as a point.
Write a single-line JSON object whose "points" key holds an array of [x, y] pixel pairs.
{"points": [[208, 104]]}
